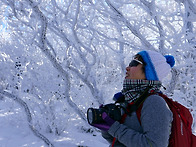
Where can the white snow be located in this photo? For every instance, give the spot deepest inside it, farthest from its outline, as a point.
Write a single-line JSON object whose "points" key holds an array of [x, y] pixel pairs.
{"points": [[15, 132]]}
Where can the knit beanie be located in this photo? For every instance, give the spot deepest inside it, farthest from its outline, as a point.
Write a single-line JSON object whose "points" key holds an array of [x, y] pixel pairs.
{"points": [[157, 66]]}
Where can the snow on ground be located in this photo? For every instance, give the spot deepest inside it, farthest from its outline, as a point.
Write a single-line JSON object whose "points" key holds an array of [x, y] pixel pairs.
{"points": [[15, 132]]}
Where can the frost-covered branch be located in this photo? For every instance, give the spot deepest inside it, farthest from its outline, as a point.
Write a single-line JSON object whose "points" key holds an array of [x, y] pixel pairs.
{"points": [[134, 30], [192, 6], [28, 113], [152, 11], [74, 52], [46, 51], [174, 80], [190, 3]]}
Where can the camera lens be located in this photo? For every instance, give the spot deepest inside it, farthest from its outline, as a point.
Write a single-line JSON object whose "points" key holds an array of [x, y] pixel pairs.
{"points": [[90, 115], [94, 116]]}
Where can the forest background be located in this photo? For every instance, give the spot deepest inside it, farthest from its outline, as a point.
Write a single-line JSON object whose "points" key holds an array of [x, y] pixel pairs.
{"points": [[60, 57]]}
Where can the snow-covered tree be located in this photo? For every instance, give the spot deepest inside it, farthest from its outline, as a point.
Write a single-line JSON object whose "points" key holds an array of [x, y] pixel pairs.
{"points": [[61, 57]]}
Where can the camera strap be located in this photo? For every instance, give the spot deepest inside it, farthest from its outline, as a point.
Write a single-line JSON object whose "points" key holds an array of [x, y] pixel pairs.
{"points": [[133, 106]]}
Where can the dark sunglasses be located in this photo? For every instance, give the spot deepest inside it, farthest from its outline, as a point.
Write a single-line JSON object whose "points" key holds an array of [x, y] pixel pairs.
{"points": [[134, 63]]}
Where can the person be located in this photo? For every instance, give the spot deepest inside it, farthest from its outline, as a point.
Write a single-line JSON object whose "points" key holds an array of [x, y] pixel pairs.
{"points": [[145, 72]]}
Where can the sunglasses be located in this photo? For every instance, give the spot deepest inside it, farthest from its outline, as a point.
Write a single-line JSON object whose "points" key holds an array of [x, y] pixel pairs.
{"points": [[134, 63]]}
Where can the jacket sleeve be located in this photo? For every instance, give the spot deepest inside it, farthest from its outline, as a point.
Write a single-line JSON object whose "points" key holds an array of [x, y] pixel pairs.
{"points": [[107, 136], [156, 119]]}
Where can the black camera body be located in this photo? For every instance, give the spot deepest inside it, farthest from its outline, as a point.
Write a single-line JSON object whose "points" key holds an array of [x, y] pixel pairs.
{"points": [[94, 116]]}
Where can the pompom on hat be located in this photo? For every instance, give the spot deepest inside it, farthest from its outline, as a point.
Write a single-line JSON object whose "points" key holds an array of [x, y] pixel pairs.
{"points": [[157, 66]]}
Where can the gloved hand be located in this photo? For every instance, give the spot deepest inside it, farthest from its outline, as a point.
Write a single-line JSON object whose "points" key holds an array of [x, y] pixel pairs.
{"points": [[108, 122], [119, 97]]}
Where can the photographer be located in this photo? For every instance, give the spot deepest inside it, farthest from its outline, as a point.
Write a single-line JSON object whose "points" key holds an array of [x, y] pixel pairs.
{"points": [[143, 79]]}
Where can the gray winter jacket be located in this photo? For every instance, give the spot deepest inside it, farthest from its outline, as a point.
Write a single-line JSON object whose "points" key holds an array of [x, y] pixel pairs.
{"points": [[154, 131]]}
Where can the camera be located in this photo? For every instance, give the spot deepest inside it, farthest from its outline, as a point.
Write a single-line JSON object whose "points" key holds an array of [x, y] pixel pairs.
{"points": [[94, 116]]}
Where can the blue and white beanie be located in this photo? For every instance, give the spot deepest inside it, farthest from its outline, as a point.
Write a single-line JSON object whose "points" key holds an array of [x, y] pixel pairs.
{"points": [[157, 66]]}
